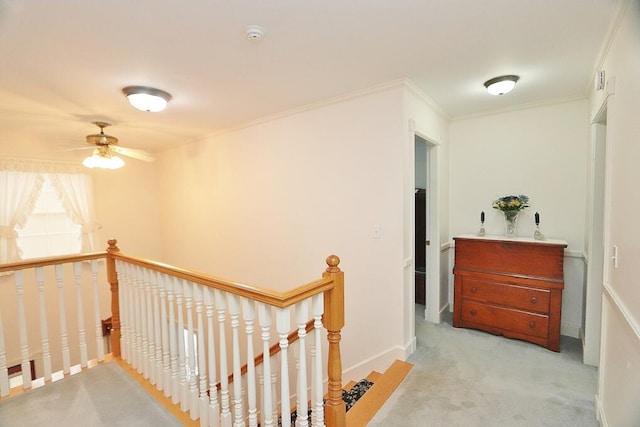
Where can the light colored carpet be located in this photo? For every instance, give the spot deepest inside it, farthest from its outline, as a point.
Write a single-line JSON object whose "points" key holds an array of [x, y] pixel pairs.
{"points": [[470, 378], [102, 396]]}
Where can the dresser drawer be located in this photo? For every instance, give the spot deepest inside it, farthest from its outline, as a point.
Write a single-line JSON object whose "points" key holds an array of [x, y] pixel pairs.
{"points": [[537, 260], [509, 294], [502, 318]]}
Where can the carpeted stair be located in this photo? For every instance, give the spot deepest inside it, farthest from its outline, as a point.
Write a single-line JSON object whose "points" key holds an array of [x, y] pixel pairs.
{"points": [[370, 396], [350, 397]]}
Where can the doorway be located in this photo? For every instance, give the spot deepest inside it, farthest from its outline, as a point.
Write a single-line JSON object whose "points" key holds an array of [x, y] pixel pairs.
{"points": [[421, 240]]}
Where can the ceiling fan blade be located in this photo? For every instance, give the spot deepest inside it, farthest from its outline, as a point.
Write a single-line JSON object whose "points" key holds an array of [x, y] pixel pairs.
{"points": [[133, 153], [77, 148]]}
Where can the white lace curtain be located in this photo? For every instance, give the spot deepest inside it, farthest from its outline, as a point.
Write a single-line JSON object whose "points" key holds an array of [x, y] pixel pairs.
{"points": [[74, 191], [21, 182], [21, 190]]}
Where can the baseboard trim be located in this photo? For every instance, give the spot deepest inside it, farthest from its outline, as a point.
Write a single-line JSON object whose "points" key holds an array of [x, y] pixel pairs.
{"points": [[572, 331], [600, 414], [443, 309], [411, 347]]}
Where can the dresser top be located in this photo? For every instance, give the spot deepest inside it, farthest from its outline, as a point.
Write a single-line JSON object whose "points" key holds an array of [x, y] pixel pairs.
{"points": [[513, 239]]}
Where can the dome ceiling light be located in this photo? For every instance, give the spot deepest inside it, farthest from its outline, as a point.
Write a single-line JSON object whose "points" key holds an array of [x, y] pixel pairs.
{"points": [[147, 98], [501, 85]]}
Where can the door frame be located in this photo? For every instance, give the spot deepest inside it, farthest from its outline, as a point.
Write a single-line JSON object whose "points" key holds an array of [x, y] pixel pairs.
{"points": [[599, 170]]}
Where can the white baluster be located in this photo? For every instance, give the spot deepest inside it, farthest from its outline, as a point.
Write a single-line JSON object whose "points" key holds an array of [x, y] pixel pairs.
{"points": [[191, 353], [264, 315], [173, 341], [157, 331], [248, 313], [312, 356], [274, 387], [64, 339], [130, 319], [96, 311], [82, 335], [4, 370], [214, 409], [317, 306], [141, 323], [283, 324], [302, 315], [202, 358], [46, 353], [234, 315], [124, 295], [225, 413], [164, 330], [150, 359], [182, 368], [260, 393], [22, 325]]}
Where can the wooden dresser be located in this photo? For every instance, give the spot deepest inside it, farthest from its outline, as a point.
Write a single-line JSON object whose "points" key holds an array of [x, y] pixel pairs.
{"points": [[511, 287]]}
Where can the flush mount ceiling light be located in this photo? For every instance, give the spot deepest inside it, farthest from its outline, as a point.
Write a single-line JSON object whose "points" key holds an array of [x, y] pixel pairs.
{"points": [[501, 85], [147, 98]]}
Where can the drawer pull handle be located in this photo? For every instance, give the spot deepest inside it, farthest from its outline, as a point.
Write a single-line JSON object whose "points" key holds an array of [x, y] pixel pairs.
{"points": [[473, 312], [532, 324], [534, 300], [474, 290]]}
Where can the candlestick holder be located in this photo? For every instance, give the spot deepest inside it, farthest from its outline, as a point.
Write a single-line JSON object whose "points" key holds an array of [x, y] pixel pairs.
{"points": [[481, 232], [537, 235]]}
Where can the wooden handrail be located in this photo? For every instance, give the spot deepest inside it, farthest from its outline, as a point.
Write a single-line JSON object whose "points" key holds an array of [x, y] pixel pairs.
{"points": [[273, 350], [43, 262], [274, 298]]}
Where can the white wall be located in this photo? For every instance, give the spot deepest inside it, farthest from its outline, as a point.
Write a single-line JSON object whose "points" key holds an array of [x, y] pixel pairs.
{"points": [[541, 152], [128, 207], [267, 203], [619, 373]]}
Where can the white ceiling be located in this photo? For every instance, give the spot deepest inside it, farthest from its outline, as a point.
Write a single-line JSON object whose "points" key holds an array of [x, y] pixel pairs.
{"points": [[63, 63]]}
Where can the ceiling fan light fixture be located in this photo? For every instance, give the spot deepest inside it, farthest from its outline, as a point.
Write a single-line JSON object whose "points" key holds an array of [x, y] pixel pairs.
{"points": [[103, 161], [501, 85], [147, 98]]}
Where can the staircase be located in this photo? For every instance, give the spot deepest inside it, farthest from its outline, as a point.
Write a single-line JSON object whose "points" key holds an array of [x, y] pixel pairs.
{"points": [[383, 387], [358, 415]]}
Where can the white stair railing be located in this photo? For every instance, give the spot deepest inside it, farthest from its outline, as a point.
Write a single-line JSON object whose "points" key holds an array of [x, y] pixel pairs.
{"points": [[43, 323], [207, 353], [192, 336]]}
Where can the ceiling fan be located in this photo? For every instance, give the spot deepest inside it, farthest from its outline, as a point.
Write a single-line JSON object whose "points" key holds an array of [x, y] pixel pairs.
{"points": [[106, 145]]}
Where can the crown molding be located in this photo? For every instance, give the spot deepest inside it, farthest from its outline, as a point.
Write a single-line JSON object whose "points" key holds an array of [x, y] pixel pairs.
{"points": [[547, 102], [383, 87], [426, 99]]}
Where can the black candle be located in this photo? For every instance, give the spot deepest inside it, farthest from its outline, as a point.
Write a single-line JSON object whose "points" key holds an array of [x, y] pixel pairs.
{"points": [[537, 218], [482, 216]]}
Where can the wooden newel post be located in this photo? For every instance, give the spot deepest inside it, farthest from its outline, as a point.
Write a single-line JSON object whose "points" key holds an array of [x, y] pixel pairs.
{"points": [[333, 321], [112, 277]]}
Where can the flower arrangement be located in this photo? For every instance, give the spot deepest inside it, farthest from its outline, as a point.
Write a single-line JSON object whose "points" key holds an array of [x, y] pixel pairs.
{"points": [[511, 203]]}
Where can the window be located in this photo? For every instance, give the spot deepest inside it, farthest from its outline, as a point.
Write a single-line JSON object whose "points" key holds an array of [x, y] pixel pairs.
{"points": [[46, 210], [49, 231]]}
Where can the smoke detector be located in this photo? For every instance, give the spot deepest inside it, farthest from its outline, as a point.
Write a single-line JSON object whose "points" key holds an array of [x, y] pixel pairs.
{"points": [[255, 32]]}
